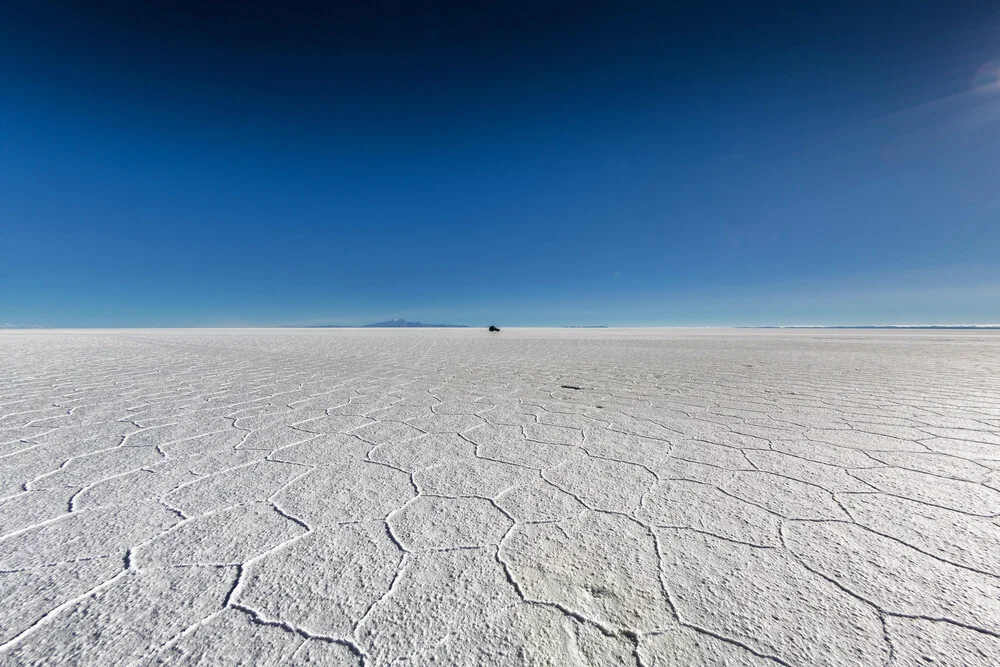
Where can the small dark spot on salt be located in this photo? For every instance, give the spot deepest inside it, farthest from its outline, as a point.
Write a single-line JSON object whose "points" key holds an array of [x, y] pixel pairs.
{"points": [[569, 386]]}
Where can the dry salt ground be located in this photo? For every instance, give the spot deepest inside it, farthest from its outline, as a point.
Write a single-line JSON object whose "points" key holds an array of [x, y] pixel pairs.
{"points": [[438, 496]]}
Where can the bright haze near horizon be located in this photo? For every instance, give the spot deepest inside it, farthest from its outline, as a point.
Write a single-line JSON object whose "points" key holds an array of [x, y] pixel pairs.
{"points": [[173, 164]]}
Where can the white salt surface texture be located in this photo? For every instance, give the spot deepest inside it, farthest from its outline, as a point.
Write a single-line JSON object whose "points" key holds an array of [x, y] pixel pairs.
{"points": [[344, 497]]}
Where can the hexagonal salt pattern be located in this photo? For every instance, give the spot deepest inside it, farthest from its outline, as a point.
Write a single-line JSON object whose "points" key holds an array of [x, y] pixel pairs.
{"points": [[446, 497]]}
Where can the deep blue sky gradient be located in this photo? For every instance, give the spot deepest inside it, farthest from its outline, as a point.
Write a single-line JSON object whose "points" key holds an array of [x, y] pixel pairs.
{"points": [[163, 164]]}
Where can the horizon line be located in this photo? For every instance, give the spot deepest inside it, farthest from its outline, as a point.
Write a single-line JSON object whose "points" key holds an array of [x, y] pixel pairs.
{"points": [[11, 327]]}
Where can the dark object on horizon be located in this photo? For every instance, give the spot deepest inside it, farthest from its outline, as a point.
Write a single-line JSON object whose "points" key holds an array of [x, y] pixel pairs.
{"points": [[569, 386], [493, 328]]}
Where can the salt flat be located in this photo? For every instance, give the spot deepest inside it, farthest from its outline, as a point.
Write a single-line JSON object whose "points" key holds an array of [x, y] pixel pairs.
{"points": [[376, 497]]}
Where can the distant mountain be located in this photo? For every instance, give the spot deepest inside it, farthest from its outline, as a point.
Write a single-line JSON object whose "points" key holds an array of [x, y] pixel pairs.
{"points": [[394, 323], [397, 323]]}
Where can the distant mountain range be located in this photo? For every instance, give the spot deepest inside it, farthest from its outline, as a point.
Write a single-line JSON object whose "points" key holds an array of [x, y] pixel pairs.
{"points": [[394, 323], [401, 323]]}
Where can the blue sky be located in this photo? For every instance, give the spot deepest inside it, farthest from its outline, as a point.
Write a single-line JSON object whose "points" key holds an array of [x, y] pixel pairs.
{"points": [[535, 164]]}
